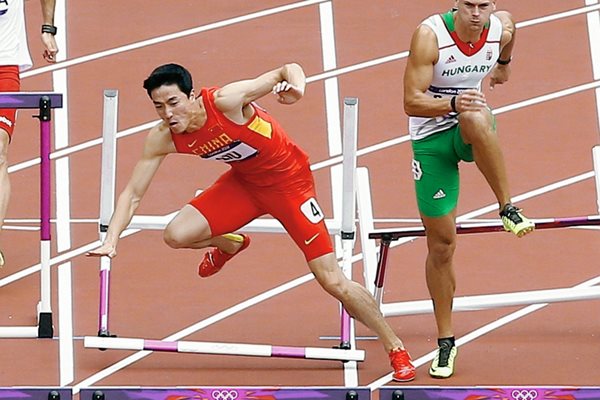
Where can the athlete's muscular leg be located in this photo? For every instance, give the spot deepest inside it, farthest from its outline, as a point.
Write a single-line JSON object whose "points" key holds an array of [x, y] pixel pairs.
{"points": [[439, 269], [356, 299], [4, 181], [190, 230], [476, 129]]}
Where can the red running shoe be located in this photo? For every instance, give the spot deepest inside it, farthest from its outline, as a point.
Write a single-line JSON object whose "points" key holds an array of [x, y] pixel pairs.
{"points": [[404, 370], [214, 259]]}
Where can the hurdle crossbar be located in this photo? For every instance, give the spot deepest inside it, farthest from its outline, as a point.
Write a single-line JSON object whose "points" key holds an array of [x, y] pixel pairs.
{"points": [[469, 228], [29, 100], [262, 225], [43, 102], [233, 349]]}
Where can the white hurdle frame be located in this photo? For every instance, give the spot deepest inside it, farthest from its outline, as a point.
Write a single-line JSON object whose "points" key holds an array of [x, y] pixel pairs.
{"points": [[221, 348], [482, 302], [107, 198], [346, 351], [348, 232]]}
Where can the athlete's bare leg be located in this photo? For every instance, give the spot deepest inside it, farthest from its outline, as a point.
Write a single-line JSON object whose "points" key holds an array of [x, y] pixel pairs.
{"points": [[356, 299], [476, 129], [439, 269], [190, 230]]}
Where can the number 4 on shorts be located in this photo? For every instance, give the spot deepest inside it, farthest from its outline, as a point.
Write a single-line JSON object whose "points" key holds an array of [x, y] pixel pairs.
{"points": [[311, 210]]}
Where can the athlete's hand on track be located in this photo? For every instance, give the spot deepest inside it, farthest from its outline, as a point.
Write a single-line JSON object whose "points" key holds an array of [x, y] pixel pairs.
{"points": [[106, 249], [287, 93]]}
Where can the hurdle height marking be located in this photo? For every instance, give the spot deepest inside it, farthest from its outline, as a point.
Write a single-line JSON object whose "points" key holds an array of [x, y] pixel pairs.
{"points": [[44, 102]]}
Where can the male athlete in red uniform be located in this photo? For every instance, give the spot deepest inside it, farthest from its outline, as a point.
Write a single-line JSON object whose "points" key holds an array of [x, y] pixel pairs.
{"points": [[269, 175]]}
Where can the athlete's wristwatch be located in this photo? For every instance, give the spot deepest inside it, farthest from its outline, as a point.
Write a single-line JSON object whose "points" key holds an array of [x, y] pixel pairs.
{"points": [[504, 62], [51, 29]]}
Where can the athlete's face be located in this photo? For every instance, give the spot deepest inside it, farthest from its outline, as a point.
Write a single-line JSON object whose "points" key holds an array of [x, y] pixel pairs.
{"points": [[474, 14], [173, 106]]}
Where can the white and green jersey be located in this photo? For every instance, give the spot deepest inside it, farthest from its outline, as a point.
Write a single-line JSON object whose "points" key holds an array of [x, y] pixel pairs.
{"points": [[460, 66]]}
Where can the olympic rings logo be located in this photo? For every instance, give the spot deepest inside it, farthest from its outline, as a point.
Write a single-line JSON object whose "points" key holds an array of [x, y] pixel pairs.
{"points": [[224, 394], [524, 394]]}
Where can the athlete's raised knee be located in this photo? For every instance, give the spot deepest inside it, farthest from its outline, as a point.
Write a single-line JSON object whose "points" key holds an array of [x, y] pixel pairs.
{"points": [[476, 126], [476, 118], [175, 239]]}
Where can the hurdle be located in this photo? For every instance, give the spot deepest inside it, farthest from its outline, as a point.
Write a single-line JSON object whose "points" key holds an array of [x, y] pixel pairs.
{"points": [[220, 348], [481, 302], [43, 102], [105, 340], [347, 233]]}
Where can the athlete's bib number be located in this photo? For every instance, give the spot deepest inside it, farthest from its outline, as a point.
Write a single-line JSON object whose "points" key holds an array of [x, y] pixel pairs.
{"points": [[236, 151], [311, 210]]}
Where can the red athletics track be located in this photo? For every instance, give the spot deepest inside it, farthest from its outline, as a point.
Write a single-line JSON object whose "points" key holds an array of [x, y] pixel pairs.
{"points": [[155, 291]]}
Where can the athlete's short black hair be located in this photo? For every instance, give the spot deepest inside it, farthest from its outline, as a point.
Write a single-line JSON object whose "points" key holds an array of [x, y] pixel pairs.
{"points": [[169, 74]]}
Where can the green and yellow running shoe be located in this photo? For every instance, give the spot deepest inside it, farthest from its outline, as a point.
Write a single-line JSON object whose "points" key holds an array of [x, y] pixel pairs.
{"points": [[443, 363], [515, 222]]}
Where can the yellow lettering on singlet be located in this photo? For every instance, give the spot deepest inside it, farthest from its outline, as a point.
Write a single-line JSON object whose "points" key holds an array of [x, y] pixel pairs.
{"points": [[261, 127], [204, 148], [225, 138], [215, 143]]}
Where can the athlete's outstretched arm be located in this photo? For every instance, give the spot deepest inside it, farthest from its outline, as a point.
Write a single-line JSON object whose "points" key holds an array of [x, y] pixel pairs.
{"points": [[287, 81], [130, 197]]}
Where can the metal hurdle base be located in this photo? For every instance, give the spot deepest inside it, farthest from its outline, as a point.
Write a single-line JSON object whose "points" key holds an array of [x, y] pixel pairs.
{"points": [[227, 393], [45, 326], [490, 392], [233, 349]]}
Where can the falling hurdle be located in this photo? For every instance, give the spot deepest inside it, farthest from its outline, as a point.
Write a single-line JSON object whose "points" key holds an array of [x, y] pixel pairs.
{"points": [[480, 302], [232, 349], [105, 340], [43, 102]]}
